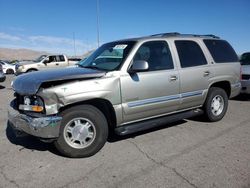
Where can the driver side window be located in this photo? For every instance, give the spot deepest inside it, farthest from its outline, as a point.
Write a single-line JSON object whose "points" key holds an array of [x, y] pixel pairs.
{"points": [[157, 54], [52, 59]]}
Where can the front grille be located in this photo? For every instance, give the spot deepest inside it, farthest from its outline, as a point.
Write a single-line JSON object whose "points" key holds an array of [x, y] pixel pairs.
{"points": [[245, 77]]}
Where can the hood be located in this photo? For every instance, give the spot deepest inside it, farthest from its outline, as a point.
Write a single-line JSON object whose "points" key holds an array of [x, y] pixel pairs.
{"points": [[245, 69], [26, 62], [28, 84]]}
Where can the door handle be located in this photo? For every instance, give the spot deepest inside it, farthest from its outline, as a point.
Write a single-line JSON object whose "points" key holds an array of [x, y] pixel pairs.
{"points": [[57, 64], [173, 78], [206, 73]]}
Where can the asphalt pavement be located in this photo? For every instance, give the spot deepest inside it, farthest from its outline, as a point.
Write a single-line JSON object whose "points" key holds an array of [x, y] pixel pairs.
{"points": [[189, 153]]}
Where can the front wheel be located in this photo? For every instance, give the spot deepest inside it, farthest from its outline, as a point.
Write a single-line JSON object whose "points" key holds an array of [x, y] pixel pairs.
{"points": [[83, 132], [216, 104]]}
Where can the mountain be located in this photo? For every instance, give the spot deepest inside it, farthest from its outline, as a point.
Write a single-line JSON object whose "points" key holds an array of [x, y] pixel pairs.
{"points": [[19, 54], [26, 54]]}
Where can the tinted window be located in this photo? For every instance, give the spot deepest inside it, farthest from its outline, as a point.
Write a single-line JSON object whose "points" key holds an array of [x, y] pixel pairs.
{"points": [[245, 59], [157, 54], [60, 58], [190, 53], [52, 59], [221, 51]]}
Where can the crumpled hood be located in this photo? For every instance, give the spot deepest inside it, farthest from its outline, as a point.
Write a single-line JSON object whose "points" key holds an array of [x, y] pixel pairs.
{"points": [[28, 84]]}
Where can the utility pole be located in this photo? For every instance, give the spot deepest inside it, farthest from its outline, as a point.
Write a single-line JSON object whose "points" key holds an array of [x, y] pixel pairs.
{"points": [[97, 22], [74, 43]]}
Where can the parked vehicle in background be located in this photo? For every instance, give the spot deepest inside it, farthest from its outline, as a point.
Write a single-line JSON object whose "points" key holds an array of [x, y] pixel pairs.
{"points": [[245, 68], [7, 67], [127, 86], [44, 63], [74, 59], [2, 76]]}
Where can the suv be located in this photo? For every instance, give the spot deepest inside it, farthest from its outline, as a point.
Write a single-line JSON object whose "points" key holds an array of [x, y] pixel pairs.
{"points": [[245, 77], [148, 82]]}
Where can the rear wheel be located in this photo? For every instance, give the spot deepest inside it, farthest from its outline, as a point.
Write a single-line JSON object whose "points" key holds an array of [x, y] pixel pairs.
{"points": [[83, 132], [10, 71], [216, 104]]}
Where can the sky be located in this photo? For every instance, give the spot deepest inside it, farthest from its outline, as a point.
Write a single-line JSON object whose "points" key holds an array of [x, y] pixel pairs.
{"points": [[52, 25]]}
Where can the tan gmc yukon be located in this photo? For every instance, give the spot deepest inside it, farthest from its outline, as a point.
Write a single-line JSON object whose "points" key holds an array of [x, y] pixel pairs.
{"points": [[126, 86]]}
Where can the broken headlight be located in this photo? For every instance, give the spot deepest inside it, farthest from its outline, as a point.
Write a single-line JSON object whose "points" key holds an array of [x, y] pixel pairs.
{"points": [[32, 103]]}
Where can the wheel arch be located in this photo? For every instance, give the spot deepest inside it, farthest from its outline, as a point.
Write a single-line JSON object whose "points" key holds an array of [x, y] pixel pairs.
{"points": [[103, 105], [225, 85], [32, 69]]}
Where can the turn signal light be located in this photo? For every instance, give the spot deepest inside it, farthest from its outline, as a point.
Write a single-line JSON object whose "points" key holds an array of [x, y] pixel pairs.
{"points": [[37, 108]]}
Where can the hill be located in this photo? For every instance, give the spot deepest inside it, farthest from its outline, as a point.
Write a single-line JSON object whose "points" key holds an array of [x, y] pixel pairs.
{"points": [[26, 54], [19, 54]]}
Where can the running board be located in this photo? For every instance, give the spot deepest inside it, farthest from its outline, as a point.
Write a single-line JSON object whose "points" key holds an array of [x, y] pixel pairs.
{"points": [[156, 122]]}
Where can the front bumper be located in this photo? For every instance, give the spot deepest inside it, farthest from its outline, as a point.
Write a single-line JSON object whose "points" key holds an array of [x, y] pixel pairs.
{"points": [[42, 127], [245, 86]]}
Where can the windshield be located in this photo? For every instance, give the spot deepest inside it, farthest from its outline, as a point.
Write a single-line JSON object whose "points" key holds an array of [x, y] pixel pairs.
{"points": [[39, 59], [109, 56], [245, 59]]}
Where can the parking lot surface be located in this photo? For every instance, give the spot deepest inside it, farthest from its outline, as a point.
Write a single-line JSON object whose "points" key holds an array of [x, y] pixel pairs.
{"points": [[188, 153]]}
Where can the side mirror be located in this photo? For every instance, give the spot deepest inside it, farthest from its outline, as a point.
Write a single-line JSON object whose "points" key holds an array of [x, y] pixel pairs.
{"points": [[138, 66], [45, 61]]}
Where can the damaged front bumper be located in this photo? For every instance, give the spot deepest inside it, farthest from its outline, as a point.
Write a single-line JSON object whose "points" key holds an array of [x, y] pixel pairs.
{"points": [[42, 127]]}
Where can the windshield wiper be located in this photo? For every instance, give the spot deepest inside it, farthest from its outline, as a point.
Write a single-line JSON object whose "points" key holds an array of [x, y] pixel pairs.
{"points": [[92, 67]]}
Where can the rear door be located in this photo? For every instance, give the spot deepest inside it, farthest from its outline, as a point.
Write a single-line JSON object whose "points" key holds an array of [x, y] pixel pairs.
{"points": [[55, 61], [61, 61], [154, 92], [194, 71]]}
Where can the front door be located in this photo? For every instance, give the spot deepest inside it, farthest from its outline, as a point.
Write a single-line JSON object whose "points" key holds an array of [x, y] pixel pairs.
{"points": [[154, 92]]}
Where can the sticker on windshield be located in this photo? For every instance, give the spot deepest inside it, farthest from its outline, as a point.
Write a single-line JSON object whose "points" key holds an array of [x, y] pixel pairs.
{"points": [[120, 46]]}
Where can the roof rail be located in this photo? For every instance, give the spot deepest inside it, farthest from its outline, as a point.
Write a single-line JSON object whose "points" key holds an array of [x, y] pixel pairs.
{"points": [[165, 34], [179, 34]]}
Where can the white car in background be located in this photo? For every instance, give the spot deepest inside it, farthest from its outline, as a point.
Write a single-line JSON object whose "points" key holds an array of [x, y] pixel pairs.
{"points": [[245, 77], [7, 67]]}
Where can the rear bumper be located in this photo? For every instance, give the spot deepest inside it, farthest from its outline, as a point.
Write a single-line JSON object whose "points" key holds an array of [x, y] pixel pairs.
{"points": [[42, 127], [235, 89], [245, 86]]}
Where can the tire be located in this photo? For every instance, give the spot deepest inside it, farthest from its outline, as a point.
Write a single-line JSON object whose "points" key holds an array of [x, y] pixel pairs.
{"points": [[83, 131], [10, 71], [216, 104]]}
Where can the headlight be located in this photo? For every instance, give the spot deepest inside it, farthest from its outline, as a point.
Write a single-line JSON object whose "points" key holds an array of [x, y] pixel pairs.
{"points": [[32, 103]]}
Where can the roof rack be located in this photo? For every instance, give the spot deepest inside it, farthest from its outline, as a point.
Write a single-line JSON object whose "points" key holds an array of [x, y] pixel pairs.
{"points": [[179, 34], [165, 34]]}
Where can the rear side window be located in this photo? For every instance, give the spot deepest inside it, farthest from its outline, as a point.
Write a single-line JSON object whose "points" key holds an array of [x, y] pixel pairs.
{"points": [[60, 58], [221, 51], [190, 53]]}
